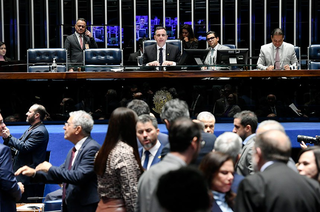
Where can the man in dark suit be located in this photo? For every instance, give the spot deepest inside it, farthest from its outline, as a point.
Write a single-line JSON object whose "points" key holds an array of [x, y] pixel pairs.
{"points": [[147, 133], [10, 189], [161, 53], [76, 173], [133, 57], [29, 149], [276, 187], [174, 109], [80, 40]]}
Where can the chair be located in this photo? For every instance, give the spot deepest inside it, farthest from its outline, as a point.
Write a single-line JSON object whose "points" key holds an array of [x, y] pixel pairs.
{"points": [[314, 65], [175, 42], [104, 59], [231, 46], [40, 59], [298, 54], [313, 55]]}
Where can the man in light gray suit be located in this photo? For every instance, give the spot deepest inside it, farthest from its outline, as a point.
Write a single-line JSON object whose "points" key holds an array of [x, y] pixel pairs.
{"points": [[245, 125], [213, 41], [277, 54]]}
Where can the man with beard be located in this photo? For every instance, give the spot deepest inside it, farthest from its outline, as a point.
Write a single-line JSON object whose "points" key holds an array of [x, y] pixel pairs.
{"points": [[185, 142], [147, 133], [29, 149]]}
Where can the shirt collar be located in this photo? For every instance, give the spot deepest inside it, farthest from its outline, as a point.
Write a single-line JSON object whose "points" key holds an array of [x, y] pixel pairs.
{"points": [[248, 138], [163, 47], [79, 144], [266, 165]]}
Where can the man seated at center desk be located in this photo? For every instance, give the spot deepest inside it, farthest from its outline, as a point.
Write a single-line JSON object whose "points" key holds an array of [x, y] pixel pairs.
{"points": [[214, 45], [162, 53]]}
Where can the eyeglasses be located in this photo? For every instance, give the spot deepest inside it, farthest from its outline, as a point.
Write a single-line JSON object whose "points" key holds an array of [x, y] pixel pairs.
{"points": [[211, 38]]}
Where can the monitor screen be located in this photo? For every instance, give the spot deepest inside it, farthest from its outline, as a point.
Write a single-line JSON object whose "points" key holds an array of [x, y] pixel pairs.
{"points": [[98, 33], [193, 56], [232, 56]]}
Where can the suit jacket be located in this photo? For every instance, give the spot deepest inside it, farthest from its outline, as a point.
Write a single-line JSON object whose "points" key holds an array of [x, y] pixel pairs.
{"points": [[10, 191], [81, 180], [172, 53], [236, 181], [32, 147], [267, 55], [209, 140], [244, 165], [208, 60], [278, 188], [75, 53], [157, 157]]}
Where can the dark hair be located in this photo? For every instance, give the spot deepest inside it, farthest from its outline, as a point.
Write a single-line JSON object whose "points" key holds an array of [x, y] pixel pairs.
{"points": [[210, 166], [81, 19], [212, 32], [159, 28], [191, 36], [121, 127], [42, 111], [181, 133], [316, 153], [247, 117], [2, 43], [144, 118], [139, 106], [178, 186], [277, 31]]}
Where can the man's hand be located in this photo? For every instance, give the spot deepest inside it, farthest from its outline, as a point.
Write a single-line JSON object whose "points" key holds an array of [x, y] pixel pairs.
{"points": [[45, 166], [5, 133], [21, 186], [167, 63], [270, 68], [286, 67], [88, 33], [154, 63], [25, 170]]}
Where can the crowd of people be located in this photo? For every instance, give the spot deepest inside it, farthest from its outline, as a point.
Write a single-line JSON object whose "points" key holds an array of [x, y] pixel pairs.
{"points": [[137, 168]]}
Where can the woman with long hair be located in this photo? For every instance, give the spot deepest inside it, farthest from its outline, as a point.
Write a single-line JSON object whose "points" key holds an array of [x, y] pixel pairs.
{"points": [[309, 162], [218, 169], [187, 36], [3, 51], [118, 164]]}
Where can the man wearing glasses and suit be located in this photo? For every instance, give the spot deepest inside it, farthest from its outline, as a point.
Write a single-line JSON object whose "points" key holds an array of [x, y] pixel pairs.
{"points": [[214, 45]]}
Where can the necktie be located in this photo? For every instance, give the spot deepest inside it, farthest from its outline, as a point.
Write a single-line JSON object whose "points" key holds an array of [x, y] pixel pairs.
{"points": [[277, 59], [69, 167], [160, 56], [81, 42], [146, 159], [212, 56]]}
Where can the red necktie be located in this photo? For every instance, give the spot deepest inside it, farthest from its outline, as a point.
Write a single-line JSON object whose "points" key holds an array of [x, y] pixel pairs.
{"points": [[69, 167], [81, 42]]}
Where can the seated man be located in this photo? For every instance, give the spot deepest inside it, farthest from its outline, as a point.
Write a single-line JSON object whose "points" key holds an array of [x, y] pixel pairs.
{"points": [[161, 54], [213, 41], [277, 54]]}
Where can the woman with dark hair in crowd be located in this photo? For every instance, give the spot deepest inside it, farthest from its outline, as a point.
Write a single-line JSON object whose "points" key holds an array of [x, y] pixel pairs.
{"points": [[187, 36], [218, 169], [309, 162], [3, 51], [118, 164]]}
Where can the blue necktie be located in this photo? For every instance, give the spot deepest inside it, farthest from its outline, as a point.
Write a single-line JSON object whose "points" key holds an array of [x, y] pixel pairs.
{"points": [[146, 159], [160, 58]]}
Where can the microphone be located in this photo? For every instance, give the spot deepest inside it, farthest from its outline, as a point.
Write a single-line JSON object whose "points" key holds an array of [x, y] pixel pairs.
{"points": [[35, 198]]}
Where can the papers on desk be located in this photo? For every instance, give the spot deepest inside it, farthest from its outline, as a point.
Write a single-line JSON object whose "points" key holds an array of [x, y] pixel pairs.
{"points": [[28, 207], [295, 109]]}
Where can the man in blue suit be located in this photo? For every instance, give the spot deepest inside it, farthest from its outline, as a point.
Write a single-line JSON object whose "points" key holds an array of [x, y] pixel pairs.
{"points": [[76, 173], [11, 190], [147, 133], [29, 149]]}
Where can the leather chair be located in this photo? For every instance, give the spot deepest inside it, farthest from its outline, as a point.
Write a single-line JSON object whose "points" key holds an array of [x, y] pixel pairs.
{"points": [[40, 59], [176, 42], [103, 59], [231, 46], [314, 65], [298, 54], [313, 55]]}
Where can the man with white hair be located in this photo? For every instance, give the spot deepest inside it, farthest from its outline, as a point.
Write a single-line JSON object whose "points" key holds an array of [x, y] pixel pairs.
{"points": [[231, 144], [208, 121]]}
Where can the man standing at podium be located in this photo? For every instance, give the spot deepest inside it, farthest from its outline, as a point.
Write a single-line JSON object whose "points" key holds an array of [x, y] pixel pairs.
{"points": [[277, 54], [80, 40]]}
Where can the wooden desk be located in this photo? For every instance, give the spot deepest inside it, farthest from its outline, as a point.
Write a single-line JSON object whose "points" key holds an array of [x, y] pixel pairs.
{"points": [[157, 74]]}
